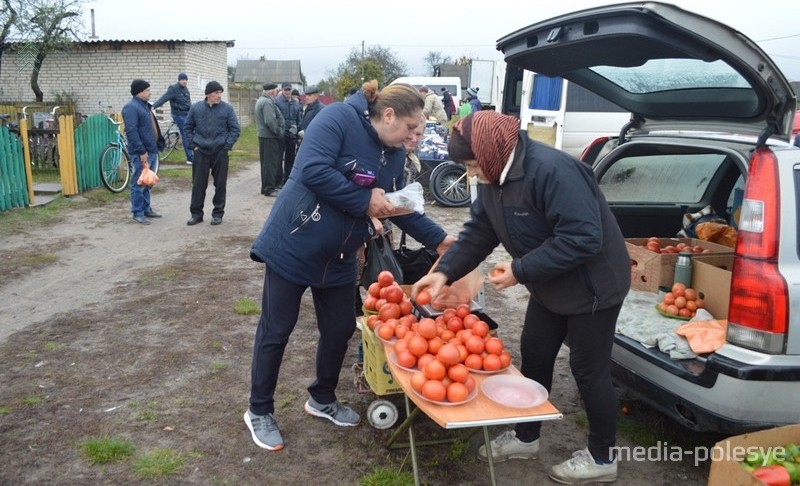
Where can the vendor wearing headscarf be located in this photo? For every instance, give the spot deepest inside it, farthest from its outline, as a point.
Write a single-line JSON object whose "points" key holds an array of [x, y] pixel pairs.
{"points": [[548, 212]]}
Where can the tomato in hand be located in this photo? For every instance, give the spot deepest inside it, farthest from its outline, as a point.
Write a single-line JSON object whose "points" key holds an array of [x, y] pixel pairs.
{"points": [[423, 297]]}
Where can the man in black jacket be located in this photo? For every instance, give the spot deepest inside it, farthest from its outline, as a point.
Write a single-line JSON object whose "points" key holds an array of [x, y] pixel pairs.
{"points": [[211, 130], [179, 103]]}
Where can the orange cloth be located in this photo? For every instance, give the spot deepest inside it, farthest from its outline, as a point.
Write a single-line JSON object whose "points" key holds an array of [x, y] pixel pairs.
{"points": [[704, 336]]}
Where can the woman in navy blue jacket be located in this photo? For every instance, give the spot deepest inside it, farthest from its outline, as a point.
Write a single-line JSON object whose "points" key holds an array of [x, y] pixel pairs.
{"points": [[320, 219]]}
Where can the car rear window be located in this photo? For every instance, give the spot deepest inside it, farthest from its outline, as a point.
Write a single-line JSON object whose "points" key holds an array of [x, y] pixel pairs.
{"points": [[669, 178]]}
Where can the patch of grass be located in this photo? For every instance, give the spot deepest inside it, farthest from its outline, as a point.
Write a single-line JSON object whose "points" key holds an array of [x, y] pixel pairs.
{"points": [[32, 401], [458, 449], [246, 307], [158, 463], [51, 346], [103, 450], [5, 410], [164, 273], [246, 148], [37, 260], [218, 367], [146, 416], [387, 477], [21, 219]]}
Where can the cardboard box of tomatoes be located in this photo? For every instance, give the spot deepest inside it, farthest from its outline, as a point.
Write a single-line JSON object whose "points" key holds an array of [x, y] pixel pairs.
{"points": [[376, 369], [651, 270], [727, 455]]}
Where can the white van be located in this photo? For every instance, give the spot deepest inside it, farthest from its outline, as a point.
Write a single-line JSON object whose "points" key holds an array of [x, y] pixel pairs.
{"points": [[435, 84], [558, 113]]}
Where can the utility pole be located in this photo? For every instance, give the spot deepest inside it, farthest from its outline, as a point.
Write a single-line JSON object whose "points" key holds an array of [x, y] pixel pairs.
{"points": [[363, 69]]}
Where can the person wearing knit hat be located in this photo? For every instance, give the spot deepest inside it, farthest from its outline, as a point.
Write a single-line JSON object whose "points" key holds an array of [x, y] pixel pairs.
{"points": [[212, 129], [472, 96], [180, 100], [291, 111], [546, 209], [138, 85], [213, 86], [144, 140]]}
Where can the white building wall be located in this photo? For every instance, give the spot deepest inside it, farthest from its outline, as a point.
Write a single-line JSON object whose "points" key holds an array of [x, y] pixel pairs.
{"points": [[99, 74]]}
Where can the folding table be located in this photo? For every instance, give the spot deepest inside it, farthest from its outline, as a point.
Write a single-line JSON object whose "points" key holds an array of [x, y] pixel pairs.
{"points": [[479, 412]]}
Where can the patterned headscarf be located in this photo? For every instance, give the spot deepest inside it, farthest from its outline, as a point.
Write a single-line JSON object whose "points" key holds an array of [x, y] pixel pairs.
{"points": [[492, 137]]}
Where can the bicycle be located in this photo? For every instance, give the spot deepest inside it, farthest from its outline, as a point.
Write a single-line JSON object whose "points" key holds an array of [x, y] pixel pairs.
{"points": [[115, 164], [172, 138]]}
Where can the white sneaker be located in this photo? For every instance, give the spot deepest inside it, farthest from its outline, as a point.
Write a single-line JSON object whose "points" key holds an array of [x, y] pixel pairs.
{"points": [[188, 162], [581, 468], [507, 446]]}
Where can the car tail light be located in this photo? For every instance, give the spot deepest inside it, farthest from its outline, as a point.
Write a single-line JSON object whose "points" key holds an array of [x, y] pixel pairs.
{"points": [[594, 147], [758, 312]]}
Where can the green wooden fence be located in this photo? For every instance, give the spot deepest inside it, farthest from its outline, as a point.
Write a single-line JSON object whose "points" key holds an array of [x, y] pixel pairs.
{"points": [[90, 138], [13, 185]]}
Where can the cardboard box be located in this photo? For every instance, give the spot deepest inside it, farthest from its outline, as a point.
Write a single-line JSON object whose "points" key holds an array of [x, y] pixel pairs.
{"points": [[650, 270], [376, 370], [712, 277], [725, 467]]}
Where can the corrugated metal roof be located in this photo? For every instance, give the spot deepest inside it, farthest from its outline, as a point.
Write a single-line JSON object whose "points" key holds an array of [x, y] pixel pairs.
{"points": [[263, 70]]}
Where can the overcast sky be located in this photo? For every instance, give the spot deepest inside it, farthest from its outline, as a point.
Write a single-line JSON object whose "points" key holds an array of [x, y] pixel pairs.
{"points": [[322, 33]]}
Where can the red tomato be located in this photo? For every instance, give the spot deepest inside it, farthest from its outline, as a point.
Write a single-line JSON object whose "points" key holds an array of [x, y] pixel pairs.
{"points": [[385, 278], [423, 297]]}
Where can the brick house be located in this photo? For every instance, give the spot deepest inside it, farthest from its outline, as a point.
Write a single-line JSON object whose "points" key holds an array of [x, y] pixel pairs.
{"points": [[98, 73]]}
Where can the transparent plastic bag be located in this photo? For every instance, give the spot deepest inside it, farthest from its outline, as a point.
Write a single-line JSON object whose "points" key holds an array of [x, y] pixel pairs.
{"points": [[148, 177], [463, 291], [407, 200]]}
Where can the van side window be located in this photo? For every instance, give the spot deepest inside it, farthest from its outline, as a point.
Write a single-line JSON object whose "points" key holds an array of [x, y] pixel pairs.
{"points": [[669, 179]]}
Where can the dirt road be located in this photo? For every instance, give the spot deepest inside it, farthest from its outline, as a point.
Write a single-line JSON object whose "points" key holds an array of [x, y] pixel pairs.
{"points": [[130, 332]]}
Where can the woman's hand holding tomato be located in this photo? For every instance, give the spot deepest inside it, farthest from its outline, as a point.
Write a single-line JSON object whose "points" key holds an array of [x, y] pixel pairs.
{"points": [[502, 277], [431, 283]]}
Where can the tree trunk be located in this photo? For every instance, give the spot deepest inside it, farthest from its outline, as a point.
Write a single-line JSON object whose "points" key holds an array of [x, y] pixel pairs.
{"points": [[37, 65]]}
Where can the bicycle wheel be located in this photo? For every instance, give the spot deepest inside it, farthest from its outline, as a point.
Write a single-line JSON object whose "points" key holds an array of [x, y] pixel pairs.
{"points": [[115, 168], [449, 185], [172, 140]]}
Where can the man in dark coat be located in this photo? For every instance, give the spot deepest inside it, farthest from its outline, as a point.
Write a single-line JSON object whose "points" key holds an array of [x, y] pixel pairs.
{"points": [[211, 130], [180, 100]]}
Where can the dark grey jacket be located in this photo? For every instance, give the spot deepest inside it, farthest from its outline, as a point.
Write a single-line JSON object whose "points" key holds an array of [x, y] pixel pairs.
{"points": [[211, 128], [179, 99], [553, 220]]}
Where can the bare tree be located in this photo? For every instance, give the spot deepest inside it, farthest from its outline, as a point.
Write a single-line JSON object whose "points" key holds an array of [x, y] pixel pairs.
{"points": [[8, 20], [52, 25], [434, 59]]}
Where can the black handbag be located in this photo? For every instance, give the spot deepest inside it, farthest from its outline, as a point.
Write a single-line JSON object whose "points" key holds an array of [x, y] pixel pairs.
{"points": [[379, 257], [414, 263]]}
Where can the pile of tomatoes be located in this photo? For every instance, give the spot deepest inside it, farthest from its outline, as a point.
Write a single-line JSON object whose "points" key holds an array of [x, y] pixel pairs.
{"points": [[654, 244], [681, 301], [443, 350]]}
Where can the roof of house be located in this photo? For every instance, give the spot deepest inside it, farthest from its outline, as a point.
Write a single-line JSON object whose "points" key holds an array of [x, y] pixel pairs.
{"points": [[262, 71]]}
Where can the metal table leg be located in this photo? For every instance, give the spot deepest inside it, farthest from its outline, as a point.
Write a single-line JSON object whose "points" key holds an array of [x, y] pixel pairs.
{"points": [[411, 444], [489, 457]]}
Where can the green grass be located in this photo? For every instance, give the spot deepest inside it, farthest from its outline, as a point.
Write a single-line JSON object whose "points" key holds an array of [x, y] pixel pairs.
{"points": [[5, 410], [32, 401], [246, 307], [246, 148], [103, 450], [387, 477], [158, 463]]}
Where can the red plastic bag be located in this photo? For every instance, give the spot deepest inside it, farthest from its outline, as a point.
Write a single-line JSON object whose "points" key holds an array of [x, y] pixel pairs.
{"points": [[148, 177]]}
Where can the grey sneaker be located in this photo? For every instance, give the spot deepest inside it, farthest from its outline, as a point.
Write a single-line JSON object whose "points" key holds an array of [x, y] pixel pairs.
{"points": [[335, 412], [264, 430], [581, 468], [507, 446]]}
